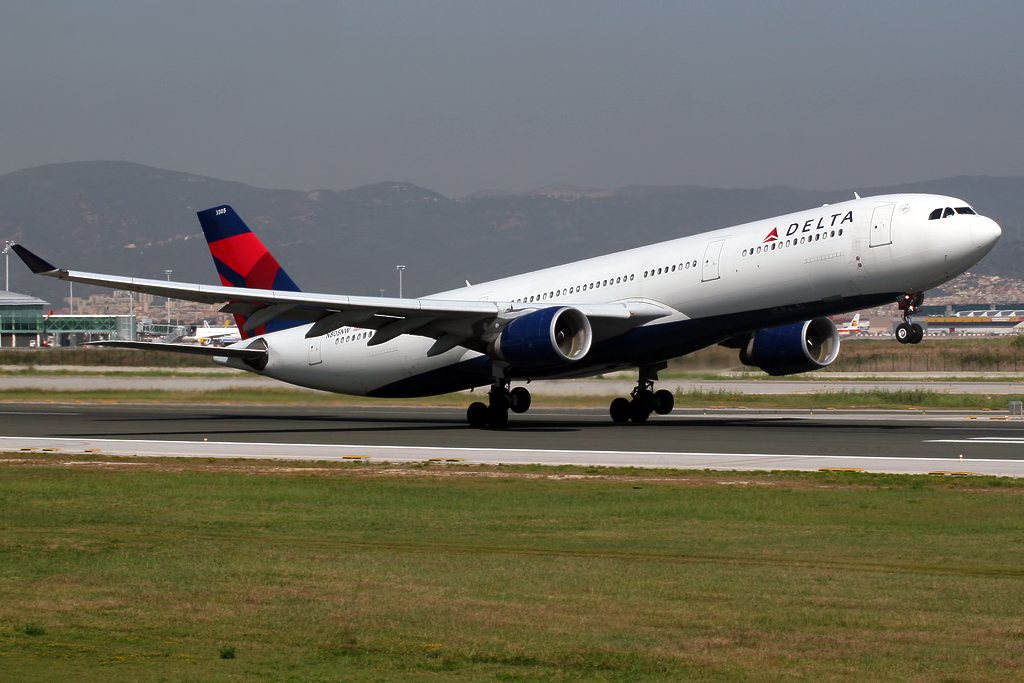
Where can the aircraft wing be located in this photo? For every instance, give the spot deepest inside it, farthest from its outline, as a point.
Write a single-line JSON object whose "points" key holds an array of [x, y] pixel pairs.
{"points": [[450, 322]]}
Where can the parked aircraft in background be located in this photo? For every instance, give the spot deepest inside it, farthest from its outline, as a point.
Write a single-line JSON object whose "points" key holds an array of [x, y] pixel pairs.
{"points": [[852, 327], [214, 336], [764, 288]]}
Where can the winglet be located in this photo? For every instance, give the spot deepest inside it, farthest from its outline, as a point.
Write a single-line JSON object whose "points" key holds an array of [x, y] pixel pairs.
{"points": [[36, 264]]}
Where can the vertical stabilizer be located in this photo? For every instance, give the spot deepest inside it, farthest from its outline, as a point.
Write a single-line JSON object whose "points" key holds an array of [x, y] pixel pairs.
{"points": [[243, 261]]}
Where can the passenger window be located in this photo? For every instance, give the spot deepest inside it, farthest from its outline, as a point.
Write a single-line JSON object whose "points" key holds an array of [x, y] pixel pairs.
{"points": [[934, 215]]}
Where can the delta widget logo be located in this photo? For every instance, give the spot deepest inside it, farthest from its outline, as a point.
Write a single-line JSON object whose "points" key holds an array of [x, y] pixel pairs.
{"points": [[772, 236]]}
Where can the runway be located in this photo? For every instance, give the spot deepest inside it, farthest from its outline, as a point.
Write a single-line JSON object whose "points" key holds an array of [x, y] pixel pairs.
{"points": [[876, 441]]}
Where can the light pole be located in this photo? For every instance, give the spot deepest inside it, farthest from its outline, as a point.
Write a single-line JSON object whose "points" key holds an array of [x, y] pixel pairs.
{"points": [[7, 260], [400, 269], [167, 304]]}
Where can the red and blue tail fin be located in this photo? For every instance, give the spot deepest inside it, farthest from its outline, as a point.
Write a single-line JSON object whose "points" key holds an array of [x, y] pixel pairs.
{"points": [[243, 261]]}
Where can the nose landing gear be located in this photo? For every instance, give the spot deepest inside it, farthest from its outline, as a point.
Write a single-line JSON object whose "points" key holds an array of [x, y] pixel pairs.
{"points": [[500, 400], [908, 332], [644, 399]]}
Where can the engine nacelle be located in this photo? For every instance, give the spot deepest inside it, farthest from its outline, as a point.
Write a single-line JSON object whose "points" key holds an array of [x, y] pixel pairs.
{"points": [[790, 349], [544, 339]]}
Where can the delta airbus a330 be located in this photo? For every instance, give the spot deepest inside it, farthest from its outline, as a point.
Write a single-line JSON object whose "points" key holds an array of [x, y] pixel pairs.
{"points": [[765, 288]]}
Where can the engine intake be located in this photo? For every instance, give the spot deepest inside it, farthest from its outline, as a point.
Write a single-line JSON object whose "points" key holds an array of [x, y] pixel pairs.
{"points": [[791, 349], [546, 338]]}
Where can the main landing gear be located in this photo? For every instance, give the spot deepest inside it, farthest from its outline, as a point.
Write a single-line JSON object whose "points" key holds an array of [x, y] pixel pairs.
{"points": [[908, 332], [644, 399], [500, 400]]}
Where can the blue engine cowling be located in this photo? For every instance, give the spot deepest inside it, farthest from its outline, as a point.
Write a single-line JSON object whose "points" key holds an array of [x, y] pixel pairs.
{"points": [[544, 339], [790, 349]]}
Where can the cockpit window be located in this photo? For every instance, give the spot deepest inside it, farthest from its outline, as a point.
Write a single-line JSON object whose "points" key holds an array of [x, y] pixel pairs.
{"points": [[948, 212], [935, 215], [966, 209]]}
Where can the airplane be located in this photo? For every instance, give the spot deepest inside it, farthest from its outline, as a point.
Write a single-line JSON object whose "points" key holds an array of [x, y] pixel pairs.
{"points": [[764, 288], [216, 336], [852, 327]]}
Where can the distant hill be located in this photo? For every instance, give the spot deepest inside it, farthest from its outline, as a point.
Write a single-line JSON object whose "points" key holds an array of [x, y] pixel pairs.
{"points": [[130, 219]]}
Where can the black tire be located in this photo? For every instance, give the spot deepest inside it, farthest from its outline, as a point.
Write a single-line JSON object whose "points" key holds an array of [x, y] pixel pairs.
{"points": [[499, 400], [619, 410], [663, 401], [521, 400], [476, 415], [497, 417], [916, 333], [638, 411], [904, 333]]}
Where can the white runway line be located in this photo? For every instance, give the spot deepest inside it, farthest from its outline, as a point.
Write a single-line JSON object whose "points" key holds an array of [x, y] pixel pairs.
{"points": [[494, 456]]}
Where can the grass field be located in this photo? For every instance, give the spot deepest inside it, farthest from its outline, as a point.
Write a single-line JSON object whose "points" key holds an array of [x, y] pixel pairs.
{"points": [[961, 356], [898, 399], [139, 570]]}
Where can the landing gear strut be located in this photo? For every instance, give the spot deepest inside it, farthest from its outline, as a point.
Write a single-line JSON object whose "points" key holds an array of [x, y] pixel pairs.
{"points": [[500, 399], [908, 332], [644, 399]]}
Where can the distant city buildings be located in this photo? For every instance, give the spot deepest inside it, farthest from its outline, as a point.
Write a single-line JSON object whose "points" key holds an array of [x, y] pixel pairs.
{"points": [[182, 313]]}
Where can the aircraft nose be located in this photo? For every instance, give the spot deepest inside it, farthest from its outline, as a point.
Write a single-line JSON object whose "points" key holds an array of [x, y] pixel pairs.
{"points": [[985, 232]]}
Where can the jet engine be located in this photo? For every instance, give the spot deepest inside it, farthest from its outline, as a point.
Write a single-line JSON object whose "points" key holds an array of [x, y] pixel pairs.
{"points": [[791, 349], [544, 339]]}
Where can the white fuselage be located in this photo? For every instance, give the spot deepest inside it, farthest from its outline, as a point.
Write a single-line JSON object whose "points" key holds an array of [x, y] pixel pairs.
{"points": [[823, 261]]}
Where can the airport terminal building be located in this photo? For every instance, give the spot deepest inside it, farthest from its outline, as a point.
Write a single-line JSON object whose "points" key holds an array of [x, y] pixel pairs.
{"points": [[24, 322], [21, 320]]}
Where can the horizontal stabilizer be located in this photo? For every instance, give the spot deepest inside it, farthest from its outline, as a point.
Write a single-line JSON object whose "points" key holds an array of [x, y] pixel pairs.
{"points": [[223, 352]]}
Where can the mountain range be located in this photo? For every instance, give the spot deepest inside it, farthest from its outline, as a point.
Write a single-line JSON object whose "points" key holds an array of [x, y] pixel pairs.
{"points": [[129, 219]]}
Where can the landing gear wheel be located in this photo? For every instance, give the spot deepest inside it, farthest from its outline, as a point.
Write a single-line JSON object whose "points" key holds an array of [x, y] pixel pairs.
{"points": [[521, 400], [904, 333], [639, 410], [916, 333], [476, 415], [620, 410], [497, 416], [663, 401]]}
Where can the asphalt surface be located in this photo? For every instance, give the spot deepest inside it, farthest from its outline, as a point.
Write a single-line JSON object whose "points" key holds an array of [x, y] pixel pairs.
{"points": [[889, 441]]}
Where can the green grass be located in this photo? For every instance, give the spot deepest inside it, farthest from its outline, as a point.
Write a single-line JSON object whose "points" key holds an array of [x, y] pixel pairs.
{"points": [[899, 399], [883, 398], [143, 570]]}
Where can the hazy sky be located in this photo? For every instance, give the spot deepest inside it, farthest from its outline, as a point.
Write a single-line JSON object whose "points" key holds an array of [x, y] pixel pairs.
{"points": [[466, 96]]}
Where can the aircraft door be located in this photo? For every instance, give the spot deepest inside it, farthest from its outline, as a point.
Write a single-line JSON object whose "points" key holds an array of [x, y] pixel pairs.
{"points": [[712, 256], [315, 356], [881, 225]]}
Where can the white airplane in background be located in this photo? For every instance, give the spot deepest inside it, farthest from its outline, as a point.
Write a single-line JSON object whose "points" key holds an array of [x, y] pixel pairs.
{"points": [[217, 336], [765, 288], [852, 327]]}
